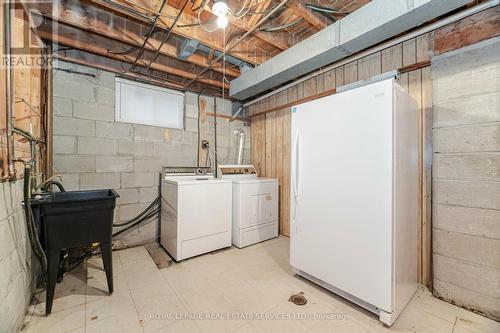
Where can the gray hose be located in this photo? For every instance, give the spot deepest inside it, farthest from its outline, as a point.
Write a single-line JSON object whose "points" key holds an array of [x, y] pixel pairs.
{"points": [[30, 223]]}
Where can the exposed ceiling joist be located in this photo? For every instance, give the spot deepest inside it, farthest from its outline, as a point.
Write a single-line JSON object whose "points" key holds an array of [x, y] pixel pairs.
{"points": [[116, 66], [278, 40], [190, 29], [234, 43], [99, 45], [302, 11], [95, 20]]}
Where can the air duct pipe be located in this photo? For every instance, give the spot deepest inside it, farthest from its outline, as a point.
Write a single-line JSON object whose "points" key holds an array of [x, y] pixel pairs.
{"points": [[229, 59], [241, 144]]}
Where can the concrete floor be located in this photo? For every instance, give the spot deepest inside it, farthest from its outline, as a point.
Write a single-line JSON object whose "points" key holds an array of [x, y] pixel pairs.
{"points": [[254, 281]]}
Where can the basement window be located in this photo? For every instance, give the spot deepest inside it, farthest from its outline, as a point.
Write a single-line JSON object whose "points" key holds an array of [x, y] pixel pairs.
{"points": [[145, 104]]}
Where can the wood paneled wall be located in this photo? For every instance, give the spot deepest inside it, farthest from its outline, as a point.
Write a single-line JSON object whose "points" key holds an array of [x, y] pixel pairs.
{"points": [[271, 137]]}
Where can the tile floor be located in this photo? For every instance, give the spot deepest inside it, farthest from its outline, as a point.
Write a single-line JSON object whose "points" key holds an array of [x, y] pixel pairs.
{"points": [[254, 281]]}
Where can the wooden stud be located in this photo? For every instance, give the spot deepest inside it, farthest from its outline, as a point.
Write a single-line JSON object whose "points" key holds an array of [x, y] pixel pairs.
{"points": [[473, 29]]}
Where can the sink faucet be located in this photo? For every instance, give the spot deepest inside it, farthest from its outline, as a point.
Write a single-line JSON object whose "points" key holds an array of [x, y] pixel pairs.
{"points": [[45, 185]]}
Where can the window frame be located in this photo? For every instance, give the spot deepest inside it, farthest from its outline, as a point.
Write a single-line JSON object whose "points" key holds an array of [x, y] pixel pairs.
{"points": [[120, 81]]}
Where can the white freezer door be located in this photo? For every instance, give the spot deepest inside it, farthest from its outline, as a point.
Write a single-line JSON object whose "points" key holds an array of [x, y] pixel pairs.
{"points": [[342, 191]]}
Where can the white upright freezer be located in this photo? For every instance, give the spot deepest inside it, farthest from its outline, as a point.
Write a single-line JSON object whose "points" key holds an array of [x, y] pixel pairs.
{"points": [[354, 197]]}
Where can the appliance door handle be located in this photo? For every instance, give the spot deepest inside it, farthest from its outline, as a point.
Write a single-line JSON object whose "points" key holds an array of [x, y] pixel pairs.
{"points": [[296, 173]]}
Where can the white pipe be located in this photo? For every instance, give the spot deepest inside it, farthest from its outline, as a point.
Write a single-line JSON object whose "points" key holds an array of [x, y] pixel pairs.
{"points": [[241, 145], [423, 30]]}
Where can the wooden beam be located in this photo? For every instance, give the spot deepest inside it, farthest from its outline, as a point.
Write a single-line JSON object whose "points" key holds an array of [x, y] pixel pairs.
{"points": [[96, 20], [277, 39], [89, 42], [415, 66], [471, 30], [191, 29], [115, 66], [405, 69], [299, 101], [259, 10], [301, 10], [280, 41]]}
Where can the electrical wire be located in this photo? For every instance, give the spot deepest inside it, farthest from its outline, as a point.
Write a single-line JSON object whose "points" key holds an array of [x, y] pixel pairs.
{"points": [[127, 51], [281, 27], [264, 12], [321, 9], [164, 40], [241, 9], [202, 8], [149, 10], [148, 35], [235, 42], [242, 12]]}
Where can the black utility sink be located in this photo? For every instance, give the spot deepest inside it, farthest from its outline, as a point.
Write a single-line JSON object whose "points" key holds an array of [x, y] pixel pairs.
{"points": [[75, 219]]}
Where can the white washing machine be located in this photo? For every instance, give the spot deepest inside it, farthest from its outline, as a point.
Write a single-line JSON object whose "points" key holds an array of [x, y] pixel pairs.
{"points": [[195, 212], [255, 204]]}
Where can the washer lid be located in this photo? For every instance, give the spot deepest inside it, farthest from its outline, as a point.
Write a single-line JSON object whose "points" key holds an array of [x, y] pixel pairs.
{"points": [[194, 180]]}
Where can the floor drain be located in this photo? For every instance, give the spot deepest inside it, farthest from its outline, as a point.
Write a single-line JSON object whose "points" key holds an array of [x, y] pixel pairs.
{"points": [[298, 299]]}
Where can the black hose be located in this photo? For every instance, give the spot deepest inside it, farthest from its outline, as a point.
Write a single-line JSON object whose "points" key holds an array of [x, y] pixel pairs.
{"points": [[145, 218], [30, 223], [46, 185], [132, 220]]}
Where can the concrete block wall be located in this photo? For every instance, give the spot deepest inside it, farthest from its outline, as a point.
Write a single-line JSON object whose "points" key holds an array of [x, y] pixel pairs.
{"points": [[93, 151], [18, 265], [466, 177]]}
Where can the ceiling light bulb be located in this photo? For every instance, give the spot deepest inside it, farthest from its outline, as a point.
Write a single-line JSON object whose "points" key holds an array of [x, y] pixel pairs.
{"points": [[222, 21], [220, 8]]}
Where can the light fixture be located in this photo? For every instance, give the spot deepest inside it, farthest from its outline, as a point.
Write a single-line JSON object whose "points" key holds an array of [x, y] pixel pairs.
{"points": [[220, 8], [222, 21]]}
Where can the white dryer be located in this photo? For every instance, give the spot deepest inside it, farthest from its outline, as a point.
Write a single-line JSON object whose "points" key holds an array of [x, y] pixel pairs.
{"points": [[255, 205], [195, 212]]}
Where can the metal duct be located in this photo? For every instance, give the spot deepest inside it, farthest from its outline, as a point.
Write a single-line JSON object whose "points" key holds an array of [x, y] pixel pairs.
{"points": [[373, 23], [187, 48], [229, 59]]}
